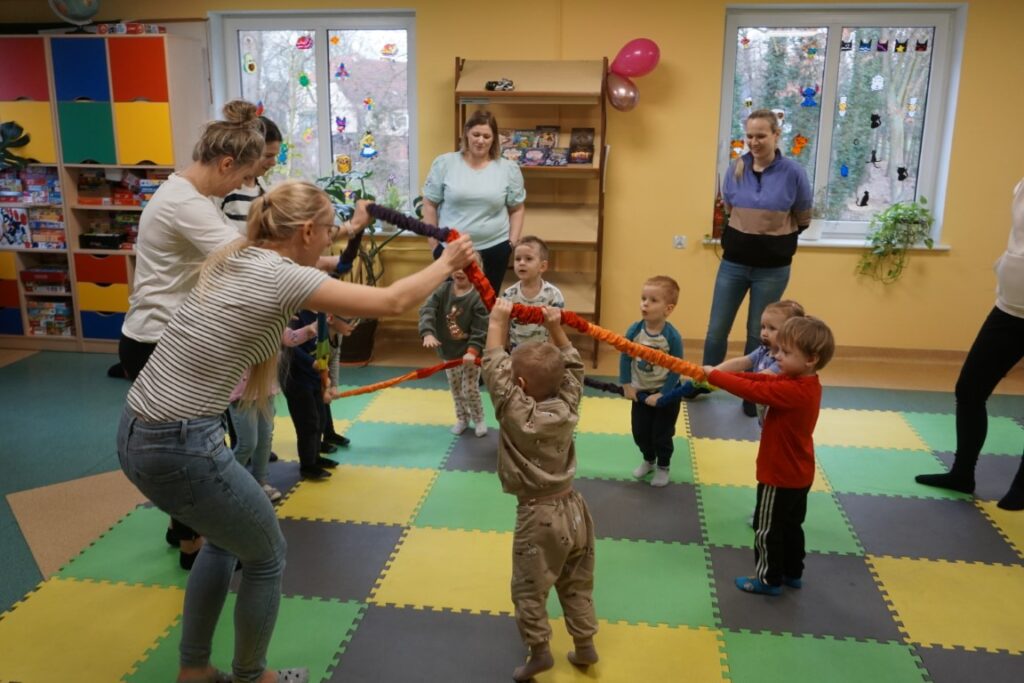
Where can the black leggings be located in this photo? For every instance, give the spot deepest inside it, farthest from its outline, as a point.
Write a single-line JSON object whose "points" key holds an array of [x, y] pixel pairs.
{"points": [[998, 347], [133, 356]]}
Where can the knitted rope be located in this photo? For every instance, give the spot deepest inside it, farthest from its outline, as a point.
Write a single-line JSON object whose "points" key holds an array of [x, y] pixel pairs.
{"points": [[602, 386], [421, 373], [323, 341], [535, 314]]}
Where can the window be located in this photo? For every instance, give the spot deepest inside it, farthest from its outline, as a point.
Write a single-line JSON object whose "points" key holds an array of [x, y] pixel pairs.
{"points": [[865, 99], [339, 87]]}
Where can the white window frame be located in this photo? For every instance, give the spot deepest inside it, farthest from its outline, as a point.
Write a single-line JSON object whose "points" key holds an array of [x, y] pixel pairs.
{"points": [[943, 86], [227, 83]]}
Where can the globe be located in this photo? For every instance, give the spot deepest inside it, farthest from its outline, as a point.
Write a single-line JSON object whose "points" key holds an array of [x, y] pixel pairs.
{"points": [[78, 12]]}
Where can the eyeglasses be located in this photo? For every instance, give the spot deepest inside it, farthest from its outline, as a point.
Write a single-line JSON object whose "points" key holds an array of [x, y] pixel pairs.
{"points": [[333, 230]]}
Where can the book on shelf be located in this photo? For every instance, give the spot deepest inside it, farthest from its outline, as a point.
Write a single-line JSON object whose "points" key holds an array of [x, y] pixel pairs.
{"points": [[505, 137], [534, 156], [547, 137], [581, 146], [557, 156], [512, 154], [524, 139]]}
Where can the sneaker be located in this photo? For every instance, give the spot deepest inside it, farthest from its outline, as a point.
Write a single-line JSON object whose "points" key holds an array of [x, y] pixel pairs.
{"points": [[793, 583], [326, 462], [480, 429], [328, 447], [273, 494], [660, 477], [458, 427], [314, 473], [750, 584], [643, 470], [338, 440]]}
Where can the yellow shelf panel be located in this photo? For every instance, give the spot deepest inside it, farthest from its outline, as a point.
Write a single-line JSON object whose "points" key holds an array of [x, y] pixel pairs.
{"points": [[37, 120], [143, 132]]}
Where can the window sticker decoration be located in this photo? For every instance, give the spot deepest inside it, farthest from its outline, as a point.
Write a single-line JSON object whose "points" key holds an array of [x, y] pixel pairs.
{"points": [[912, 107], [845, 45], [389, 50], [901, 173], [368, 103], [876, 120], [735, 149], [335, 40], [864, 45], [882, 46], [369, 150], [863, 201], [901, 46], [799, 142], [809, 94], [877, 82], [842, 105], [341, 71], [340, 122], [343, 164], [304, 43], [921, 46], [249, 63], [304, 79], [844, 171]]}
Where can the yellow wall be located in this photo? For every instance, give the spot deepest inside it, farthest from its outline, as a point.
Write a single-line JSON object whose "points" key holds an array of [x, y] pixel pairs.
{"points": [[662, 166]]}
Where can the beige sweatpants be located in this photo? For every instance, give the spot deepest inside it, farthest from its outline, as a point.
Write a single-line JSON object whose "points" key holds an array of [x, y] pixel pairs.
{"points": [[553, 545]]}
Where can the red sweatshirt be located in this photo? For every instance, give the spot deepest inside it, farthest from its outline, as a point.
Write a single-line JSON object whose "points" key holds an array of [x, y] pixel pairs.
{"points": [[785, 457]]}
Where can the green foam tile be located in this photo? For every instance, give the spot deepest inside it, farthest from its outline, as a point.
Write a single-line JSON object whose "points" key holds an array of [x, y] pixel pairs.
{"points": [[132, 551], [386, 444], [882, 472], [939, 432], [615, 456], [308, 633], [468, 500], [727, 512], [655, 583], [766, 658]]}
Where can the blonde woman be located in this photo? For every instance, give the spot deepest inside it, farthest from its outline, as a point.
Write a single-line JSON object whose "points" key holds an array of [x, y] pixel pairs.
{"points": [[171, 436]]}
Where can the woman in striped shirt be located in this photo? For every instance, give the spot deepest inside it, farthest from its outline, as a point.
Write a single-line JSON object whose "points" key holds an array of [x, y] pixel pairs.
{"points": [[171, 436]]}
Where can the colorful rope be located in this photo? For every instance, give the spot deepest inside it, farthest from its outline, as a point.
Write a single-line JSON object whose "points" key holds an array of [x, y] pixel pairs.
{"points": [[421, 373], [323, 333], [603, 386]]}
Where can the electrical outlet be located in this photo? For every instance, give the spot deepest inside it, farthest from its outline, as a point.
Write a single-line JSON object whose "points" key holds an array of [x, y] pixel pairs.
{"points": [[679, 241]]}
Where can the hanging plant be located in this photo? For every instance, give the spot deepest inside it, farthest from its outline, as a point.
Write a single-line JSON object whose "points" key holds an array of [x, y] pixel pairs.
{"points": [[12, 136], [891, 234]]}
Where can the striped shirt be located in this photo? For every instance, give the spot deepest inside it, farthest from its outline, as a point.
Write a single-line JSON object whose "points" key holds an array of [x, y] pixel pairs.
{"points": [[231, 323], [549, 295], [236, 205]]}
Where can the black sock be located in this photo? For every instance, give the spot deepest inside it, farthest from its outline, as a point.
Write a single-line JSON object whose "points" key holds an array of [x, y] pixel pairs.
{"points": [[1014, 498]]}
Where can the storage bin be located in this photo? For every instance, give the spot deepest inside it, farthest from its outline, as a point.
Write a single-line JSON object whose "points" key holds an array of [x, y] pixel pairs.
{"points": [[102, 297], [105, 269], [98, 325]]}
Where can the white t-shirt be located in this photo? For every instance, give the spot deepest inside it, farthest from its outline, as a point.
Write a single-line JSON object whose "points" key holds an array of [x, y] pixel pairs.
{"points": [[178, 229], [224, 327], [1010, 266]]}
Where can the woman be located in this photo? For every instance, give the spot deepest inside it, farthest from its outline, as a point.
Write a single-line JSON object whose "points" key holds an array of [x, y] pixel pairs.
{"points": [[768, 198], [479, 194], [997, 349], [178, 228], [235, 205], [171, 436]]}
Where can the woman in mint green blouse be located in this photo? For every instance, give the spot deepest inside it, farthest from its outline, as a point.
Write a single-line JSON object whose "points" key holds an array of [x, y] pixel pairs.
{"points": [[478, 193]]}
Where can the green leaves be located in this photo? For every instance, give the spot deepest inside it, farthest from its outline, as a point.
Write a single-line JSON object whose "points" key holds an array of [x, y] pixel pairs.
{"points": [[891, 233], [12, 136]]}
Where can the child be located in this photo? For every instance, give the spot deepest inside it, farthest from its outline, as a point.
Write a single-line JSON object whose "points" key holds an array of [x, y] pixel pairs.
{"points": [[530, 260], [653, 425], [454, 321], [536, 393], [336, 329], [785, 458], [303, 391], [763, 357]]}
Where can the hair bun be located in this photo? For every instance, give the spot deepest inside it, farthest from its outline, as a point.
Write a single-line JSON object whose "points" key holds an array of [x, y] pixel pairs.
{"points": [[240, 112]]}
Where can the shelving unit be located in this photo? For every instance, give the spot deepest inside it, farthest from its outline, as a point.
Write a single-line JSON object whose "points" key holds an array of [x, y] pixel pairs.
{"points": [[564, 204], [90, 102]]}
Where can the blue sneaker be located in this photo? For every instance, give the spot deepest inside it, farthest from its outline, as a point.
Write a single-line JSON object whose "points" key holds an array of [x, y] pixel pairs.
{"points": [[750, 584]]}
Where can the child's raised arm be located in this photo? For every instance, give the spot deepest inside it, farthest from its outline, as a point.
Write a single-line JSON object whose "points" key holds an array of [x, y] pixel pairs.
{"points": [[553, 324], [497, 326]]}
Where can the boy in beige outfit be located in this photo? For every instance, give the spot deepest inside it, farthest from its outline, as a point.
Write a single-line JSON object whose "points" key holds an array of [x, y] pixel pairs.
{"points": [[536, 395]]}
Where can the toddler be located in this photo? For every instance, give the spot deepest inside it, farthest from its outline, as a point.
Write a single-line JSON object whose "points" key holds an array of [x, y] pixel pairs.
{"points": [[536, 393], [530, 261]]}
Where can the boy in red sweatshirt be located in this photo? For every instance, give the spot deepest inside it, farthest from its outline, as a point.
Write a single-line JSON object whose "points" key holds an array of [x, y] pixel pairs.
{"points": [[785, 459]]}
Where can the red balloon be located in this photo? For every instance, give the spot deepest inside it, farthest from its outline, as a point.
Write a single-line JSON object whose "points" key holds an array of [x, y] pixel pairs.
{"points": [[638, 57], [622, 92]]}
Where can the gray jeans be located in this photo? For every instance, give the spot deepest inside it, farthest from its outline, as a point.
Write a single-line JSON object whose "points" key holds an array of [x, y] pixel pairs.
{"points": [[186, 469]]}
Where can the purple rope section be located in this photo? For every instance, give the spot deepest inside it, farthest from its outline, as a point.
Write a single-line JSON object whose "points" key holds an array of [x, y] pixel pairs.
{"points": [[400, 220], [603, 386]]}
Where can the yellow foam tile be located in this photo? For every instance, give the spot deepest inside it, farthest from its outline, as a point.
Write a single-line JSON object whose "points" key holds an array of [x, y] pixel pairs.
{"points": [[727, 462], [284, 437], [71, 630], [460, 570], [626, 654], [374, 495], [1010, 524], [866, 429], [411, 406], [605, 415], [955, 603]]}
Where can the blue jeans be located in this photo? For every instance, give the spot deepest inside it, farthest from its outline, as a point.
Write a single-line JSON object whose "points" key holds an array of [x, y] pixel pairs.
{"points": [[188, 472], [255, 437], [766, 285]]}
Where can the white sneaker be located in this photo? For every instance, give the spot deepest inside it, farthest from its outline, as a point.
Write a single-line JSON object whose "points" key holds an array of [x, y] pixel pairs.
{"points": [[660, 477], [480, 429], [458, 427], [644, 469], [273, 494]]}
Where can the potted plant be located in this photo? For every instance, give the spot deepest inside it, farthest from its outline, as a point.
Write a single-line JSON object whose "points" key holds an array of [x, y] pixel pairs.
{"points": [[368, 269], [891, 234], [12, 136]]}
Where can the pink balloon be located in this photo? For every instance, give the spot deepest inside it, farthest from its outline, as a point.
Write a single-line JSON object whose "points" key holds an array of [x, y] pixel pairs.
{"points": [[622, 92], [638, 57]]}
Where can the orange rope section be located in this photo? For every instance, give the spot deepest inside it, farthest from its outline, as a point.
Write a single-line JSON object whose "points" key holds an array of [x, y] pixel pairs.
{"points": [[421, 373]]}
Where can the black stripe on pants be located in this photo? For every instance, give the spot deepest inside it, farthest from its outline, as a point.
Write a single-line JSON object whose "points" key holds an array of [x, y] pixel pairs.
{"points": [[779, 533]]}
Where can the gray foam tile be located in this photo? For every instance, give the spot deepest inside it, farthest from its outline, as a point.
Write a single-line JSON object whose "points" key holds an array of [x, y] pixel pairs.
{"points": [[721, 417], [963, 666], [635, 510], [471, 453], [399, 644], [992, 476], [839, 598], [925, 528]]}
